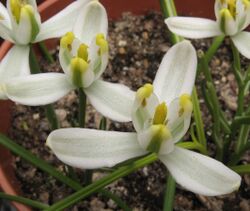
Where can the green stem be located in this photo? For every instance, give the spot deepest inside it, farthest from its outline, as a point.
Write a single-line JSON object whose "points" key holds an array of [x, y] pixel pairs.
{"points": [[169, 194], [235, 157], [198, 120], [116, 199], [45, 52], [94, 187], [241, 169], [82, 108], [23, 200], [41, 164], [214, 47], [193, 146], [239, 79], [49, 109], [26, 155], [168, 10], [242, 138], [51, 116], [103, 124]]}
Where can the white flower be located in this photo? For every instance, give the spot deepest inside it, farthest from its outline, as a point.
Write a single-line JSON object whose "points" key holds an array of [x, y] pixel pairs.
{"points": [[83, 56], [161, 116], [20, 22], [233, 16]]}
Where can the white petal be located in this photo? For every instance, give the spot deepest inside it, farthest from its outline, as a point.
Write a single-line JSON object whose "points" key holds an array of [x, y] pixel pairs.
{"points": [[38, 89], [114, 101], [5, 24], [4, 12], [242, 43], [22, 31], [98, 62], [176, 74], [89, 149], [15, 63], [178, 125], [5, 32], [217, 8], [62, 22], [200, 174], [91, 21], [193, 27], [227, 24]]}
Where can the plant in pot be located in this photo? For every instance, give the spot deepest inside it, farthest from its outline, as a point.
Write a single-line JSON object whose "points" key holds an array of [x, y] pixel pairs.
{"points": [[160, 112]]}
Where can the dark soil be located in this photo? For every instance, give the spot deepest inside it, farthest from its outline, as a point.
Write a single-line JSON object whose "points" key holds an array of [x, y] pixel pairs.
{"points": [[137, 45]]}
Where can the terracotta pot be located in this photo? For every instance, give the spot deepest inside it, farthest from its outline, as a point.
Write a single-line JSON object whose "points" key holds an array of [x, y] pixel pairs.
{"points": [[115, 8]]}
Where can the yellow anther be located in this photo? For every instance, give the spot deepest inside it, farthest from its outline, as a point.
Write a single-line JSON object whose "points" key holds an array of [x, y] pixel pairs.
{"points": [[144, 92], [82, 52], [186, 105], [16, 7], [160, 133], [78, 68], [102, 43], [67, 40], [160, 115], [232, 7]]}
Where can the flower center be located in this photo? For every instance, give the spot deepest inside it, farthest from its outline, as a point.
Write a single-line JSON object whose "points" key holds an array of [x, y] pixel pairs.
{"points": [[79, 58]]}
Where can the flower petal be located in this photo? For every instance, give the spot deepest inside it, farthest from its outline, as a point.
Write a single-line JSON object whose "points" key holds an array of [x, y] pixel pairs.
{"points": [[91, 21], [98, 62], [90, 149], [38, 89], [15, 63], [178, 124], [242, 43], [5, 24], [200, 174], [5, 32], [193, 27], [62, 22], [176, 74], [114, 101]]}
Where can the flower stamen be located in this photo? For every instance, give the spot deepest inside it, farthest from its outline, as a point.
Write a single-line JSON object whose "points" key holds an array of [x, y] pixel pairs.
{"points": [[143, 93]]}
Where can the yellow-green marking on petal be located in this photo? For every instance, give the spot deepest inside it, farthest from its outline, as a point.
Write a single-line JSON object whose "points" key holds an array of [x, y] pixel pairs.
{"points": [[186, 105]]}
